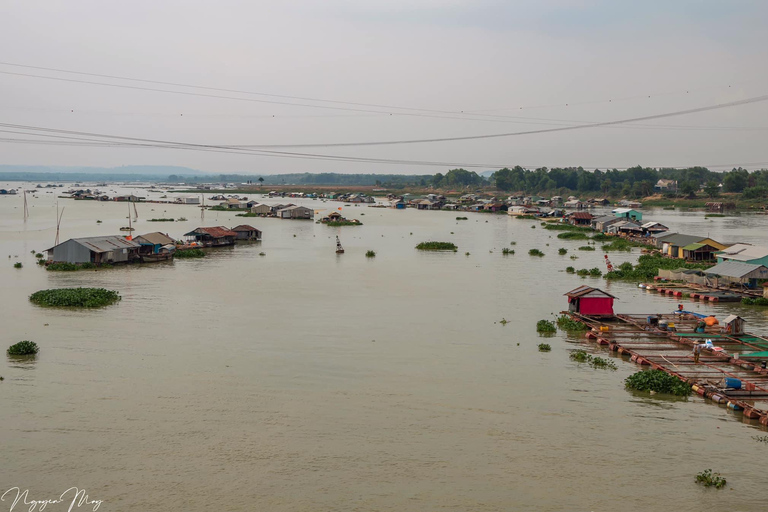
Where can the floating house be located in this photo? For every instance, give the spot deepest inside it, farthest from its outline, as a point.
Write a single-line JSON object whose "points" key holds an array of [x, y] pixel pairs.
{"points": [[296, 212], [589, 301], [627, 213], [654, 227], [581, 219], [188, 199], [212, 237], [246, 232], [129, 198], [95, 249], [675, 245], [261, 209], [155, 246], [603, 223], [736, 272], [744, 253]]}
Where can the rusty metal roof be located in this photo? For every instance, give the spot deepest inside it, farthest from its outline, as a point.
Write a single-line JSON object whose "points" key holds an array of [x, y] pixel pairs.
{"points": [[101, 244], [582, 215], [215, 232], [245, 227], [584, 290]]}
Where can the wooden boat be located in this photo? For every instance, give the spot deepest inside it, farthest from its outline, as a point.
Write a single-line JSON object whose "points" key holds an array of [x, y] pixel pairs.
{"points": [[339, 248], [126, 229]]}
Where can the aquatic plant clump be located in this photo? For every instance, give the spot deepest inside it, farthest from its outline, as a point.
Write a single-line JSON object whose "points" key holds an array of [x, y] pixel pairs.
{"points": [[75, 297], [757, 301], [586, 248], [190, 253], [437, 246], [62, 267], [535, 252], [506, 251], [709, 479], [567, 323], [580, 356], [558, 226], [545, 326], [337, 223], [161, 220], [573, 235], [462, 218], [562, 251], [648, 267], [657, 381], [17, 265], [370, 254], [570, 270], [23, 348], [544, 347]]}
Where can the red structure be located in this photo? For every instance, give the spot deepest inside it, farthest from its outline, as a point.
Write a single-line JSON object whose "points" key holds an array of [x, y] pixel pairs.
{"points": [[589, 301]]}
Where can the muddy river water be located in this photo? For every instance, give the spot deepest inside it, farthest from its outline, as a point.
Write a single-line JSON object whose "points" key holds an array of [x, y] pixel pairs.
{"points": [[303, 380]]}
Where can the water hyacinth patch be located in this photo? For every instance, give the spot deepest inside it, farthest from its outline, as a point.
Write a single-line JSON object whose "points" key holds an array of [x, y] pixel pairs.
{"points": [[75, 297], [23, 348]]}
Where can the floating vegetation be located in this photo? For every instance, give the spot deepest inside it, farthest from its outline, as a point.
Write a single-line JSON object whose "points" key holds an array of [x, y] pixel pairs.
{"points": [[533, 227], [592, 272], [181, 219], [41, 261], [573, 235], [505, 251], [622, 244], [503, 321], [648, 266], [761, 439], [658, 381], [757, 301], [570, 270], [567, 323], [586, 248], [559, 226], [262, 254], [98, 222], [75, 297], [338, 223], [38, 255], [247, 214], [544, 347], [545, 326], [581, 356], [370, 254], [437, 246], [23, 348], [512, 243], [562, 251], [602, 237], [535, 252], [161, 220], [713, 215], [62, 266], [17, 265], [190, 253], [462, 218], [709, 479]]}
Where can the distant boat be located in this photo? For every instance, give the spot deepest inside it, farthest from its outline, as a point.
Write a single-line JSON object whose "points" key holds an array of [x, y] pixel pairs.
{"points": [[127, 229], [339, 248]]}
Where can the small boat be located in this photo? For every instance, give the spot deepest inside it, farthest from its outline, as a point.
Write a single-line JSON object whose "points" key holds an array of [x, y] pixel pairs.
{"points": [[126, 229], [339, 248]]}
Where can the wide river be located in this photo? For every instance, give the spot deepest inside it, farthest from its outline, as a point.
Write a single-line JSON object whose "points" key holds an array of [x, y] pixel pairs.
{"points": [[303, 380]]}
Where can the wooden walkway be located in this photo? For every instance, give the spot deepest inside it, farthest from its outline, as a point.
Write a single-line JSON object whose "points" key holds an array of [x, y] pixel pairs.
{"points": [[672, 352]]}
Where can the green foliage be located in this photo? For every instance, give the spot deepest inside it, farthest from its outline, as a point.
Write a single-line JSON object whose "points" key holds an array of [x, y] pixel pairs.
{"points": [[370, 254], [536, 252], [761, 439], [562, 251], [568, 324], [39, 255], [41, 261], [657, 381], [17, 265], [23, 348], [648, 266], [338, 223], [712, 189], [462, 218], [544, 347], [505, 251], [619, 244], [757, 301], [709, 479], [570, 270], [248, 214], [87, 265], [182, 219], [581, 356], [62, 267], [561, 226], [545, 326], [573, 235], [586, 248], [189, 253], [161, 220], [602, 237], [75, 297], [437, 246]]}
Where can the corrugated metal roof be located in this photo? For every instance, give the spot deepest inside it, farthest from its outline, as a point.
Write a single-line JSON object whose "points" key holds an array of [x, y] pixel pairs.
{"points": [[584, 290], [744, 252], [582, 215], [156, 238], [734, 269], [105, 243], [682, 240], [244, 227]]}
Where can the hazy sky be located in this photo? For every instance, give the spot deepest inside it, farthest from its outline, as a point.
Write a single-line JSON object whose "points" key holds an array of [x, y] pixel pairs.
{"points": [[464, 67]]}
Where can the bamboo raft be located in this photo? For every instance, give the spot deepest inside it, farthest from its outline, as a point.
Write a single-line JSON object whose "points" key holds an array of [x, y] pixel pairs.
{"points": [[634, 337]]}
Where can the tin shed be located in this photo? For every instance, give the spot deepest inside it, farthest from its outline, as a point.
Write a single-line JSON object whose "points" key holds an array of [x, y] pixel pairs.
{"points": [[586, 300]]}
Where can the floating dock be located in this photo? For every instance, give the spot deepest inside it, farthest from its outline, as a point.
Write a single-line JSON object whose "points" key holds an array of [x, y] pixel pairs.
{"points": [[731, 373]]}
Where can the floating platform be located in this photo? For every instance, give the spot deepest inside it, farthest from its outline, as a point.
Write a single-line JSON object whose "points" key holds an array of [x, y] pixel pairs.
{"points": [[733, 359]]}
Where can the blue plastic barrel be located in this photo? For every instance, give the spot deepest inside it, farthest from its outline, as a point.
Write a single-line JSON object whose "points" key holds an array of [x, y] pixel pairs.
{"points": [[732, 383]]}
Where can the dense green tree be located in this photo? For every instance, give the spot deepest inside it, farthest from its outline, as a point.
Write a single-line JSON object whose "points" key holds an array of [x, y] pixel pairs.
{"points": [[736, 180], [712, 189]]}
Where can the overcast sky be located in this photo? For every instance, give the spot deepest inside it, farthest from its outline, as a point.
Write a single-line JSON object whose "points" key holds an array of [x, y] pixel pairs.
{"points": [[464, 67]]}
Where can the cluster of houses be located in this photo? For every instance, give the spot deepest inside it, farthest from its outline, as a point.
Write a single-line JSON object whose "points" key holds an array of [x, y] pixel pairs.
{"points": [[146, 248], [96, 195], [281, 211], [4, 192], [514, 205]]}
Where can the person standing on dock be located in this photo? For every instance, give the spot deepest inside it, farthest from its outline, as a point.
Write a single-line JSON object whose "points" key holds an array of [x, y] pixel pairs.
{"points": [[696, 352]]}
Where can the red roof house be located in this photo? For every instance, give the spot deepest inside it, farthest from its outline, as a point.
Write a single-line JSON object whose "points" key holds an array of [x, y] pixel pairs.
{"points": [[581, 218]]}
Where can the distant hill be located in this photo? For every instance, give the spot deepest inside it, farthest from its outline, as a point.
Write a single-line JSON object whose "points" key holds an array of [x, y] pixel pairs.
{"points": [[145, 170]]}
